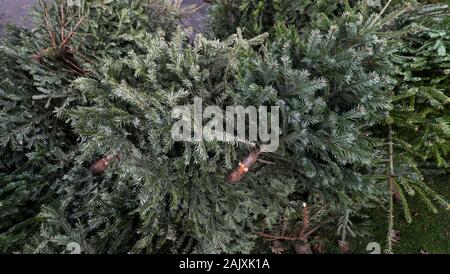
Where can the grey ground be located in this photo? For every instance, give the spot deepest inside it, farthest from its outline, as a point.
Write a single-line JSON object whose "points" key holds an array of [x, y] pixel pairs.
{"points": [[16, 12]]}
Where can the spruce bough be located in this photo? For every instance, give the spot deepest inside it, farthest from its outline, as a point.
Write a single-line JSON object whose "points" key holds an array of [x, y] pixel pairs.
{"points": [[96, 163]]}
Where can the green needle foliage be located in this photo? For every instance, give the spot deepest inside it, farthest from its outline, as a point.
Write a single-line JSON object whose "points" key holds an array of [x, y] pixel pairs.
{"points": [[96, 83], [338, 45], [348, 63], [177, 197], [419, 120], [421, 115], [418, 41], [37, 149], [259, 16], [163, 196]]}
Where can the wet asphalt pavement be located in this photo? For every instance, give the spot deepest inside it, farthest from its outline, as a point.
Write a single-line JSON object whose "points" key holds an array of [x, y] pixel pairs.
{"points": [[15, 12]]}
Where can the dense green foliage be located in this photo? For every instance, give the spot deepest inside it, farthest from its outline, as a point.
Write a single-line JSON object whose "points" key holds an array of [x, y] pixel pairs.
{"points": [[176, 192], [421, 115], [37, 148], [109, 92], [259, 16], [179, 189], [256, 17], [349, 98]]}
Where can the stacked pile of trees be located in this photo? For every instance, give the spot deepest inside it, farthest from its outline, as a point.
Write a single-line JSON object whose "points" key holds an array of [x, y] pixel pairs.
{"points": [[86, 124]]}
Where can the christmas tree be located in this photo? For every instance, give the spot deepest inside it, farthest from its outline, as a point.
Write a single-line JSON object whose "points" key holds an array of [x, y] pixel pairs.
{"points": [[38, 68], [418, 126], [91, 97], [328, 94], [417, 122]]}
